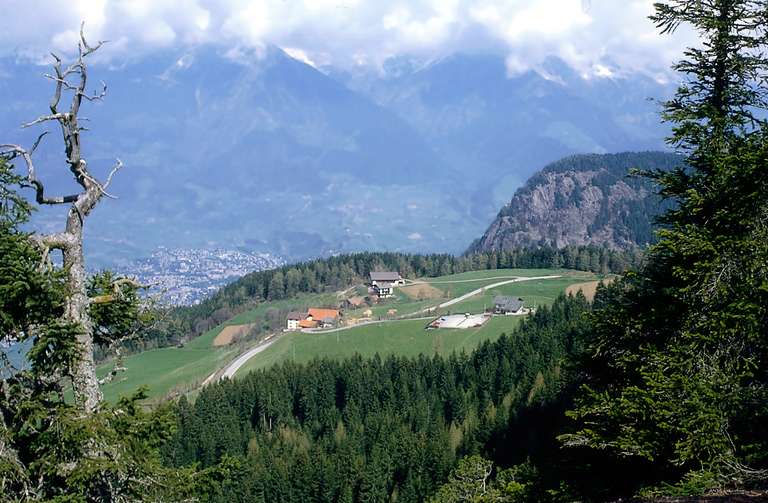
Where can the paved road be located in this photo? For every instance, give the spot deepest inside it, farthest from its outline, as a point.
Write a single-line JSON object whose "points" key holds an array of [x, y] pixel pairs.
{"points": [[447, 303], [233, 367], [362, 324], [478, 291], [449, 282]]}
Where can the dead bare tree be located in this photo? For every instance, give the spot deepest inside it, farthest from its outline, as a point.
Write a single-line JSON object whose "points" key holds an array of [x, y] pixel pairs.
{"points": [[72, 79]]}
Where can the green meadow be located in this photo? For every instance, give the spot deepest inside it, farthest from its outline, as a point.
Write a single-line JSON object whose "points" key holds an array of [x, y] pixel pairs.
{"points": [[400, 337], [172, 371]]}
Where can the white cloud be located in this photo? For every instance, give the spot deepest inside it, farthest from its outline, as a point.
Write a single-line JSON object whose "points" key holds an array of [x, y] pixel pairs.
{"points": [[597, 37]]}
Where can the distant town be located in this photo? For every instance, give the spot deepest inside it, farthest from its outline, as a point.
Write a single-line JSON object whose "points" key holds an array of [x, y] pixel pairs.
{"points": [[186, 276]]}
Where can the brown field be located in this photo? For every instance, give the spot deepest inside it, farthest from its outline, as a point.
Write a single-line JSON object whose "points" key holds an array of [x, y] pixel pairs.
{"points": [[421, 291], [230, 333], [588, 289]]}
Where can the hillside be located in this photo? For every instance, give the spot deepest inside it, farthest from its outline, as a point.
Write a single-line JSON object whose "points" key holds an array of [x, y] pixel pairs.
{"points": [[582, 200], [397, 328]]}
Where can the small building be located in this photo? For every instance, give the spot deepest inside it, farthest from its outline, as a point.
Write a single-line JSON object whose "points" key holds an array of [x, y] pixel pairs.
{"points": [[386, 277], [508, 305], [323, 318], [293, 319], [355, 302], [328, 322], [383, 289], [308, 324]]}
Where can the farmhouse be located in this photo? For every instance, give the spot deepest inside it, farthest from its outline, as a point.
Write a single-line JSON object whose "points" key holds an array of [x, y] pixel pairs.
{"points": [[508, 305], [383, 289], [383, 283], [323, 318], [386, 277], [293, 320], [314, 318]]}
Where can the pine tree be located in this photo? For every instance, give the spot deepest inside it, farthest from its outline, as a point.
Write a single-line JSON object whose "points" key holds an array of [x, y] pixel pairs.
{"points": [[673, 380]]}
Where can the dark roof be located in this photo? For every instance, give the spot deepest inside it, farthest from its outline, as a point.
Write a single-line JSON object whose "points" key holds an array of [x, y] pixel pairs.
{"points": [[385, 276], [295, 315], [508, 303]]}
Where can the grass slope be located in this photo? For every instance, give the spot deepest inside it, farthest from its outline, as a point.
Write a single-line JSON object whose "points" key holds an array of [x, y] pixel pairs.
{"points": [[170, 370], [408, 337], [403, 337]]}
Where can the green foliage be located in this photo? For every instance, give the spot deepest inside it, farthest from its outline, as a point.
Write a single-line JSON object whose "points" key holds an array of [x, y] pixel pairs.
{"points": [[376, 429], [473, 481], [675, 377], [469, 482], [116, 310], [49, 449]]}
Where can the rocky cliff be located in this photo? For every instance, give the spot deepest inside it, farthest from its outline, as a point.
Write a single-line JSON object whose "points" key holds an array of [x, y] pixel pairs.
{"points": [[582, 200]]}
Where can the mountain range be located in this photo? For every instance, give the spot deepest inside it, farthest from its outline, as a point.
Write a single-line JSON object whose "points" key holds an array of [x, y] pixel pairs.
{"points": [[263, 152]]}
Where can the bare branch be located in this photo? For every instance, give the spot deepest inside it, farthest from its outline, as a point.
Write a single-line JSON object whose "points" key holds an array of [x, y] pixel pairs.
{"points": [[60, 80], [97, 97], [88, 48], [117, 167], [10, 151], [37, 142], [57, 241], [44, 118]]}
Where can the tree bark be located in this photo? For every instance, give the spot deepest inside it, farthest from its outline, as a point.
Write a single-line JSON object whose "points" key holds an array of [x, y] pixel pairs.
{"points": [[84, 382]]}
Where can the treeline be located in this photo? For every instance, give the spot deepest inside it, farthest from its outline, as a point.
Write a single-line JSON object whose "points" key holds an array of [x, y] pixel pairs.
{"points": [[374, 429], [343, 271]]}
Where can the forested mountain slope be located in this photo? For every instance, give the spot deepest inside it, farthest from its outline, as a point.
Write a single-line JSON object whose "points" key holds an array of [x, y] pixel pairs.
{"points": [[582, 200]]}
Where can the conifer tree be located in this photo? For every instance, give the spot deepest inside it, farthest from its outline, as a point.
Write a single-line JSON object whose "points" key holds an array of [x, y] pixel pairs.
{"points": [[676, 376]]}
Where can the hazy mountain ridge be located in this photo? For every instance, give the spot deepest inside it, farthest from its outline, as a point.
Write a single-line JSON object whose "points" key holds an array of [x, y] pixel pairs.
{"points": [[272, 155], [582, 200]]}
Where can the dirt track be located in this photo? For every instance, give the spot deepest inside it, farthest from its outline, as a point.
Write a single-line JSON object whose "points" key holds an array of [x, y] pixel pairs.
{"points": [[230, 333], [587, 288]]}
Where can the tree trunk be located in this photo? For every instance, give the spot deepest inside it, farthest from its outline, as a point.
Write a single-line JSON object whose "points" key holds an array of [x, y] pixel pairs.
{"points": [[85, 385]]}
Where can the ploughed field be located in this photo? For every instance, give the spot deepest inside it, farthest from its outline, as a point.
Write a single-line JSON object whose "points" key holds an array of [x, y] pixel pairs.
{"points": [[172, 371]]}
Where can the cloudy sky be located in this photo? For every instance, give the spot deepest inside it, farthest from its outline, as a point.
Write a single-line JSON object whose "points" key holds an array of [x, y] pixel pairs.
{"points": [[595, 36]]}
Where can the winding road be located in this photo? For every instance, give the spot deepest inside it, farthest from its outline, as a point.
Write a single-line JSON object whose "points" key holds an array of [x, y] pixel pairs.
{"points": [[231, 369]]}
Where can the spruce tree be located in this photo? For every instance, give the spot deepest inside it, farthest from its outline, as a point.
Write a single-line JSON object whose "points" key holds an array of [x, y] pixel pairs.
{"points": [[675, 379]]}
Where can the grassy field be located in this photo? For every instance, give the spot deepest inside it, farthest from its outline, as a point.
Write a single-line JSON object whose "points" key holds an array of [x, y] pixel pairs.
{"points": [[180, 370], [165, 370], [408, 337], [169, 370], [534, 293], [456, 285], [403, 337]]}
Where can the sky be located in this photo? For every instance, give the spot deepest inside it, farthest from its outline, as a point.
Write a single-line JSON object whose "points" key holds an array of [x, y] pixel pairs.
{"points": [[596, 37]]}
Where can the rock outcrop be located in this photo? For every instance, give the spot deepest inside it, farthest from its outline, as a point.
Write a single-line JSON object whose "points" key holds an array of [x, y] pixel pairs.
{"points": [[582, 200]]}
